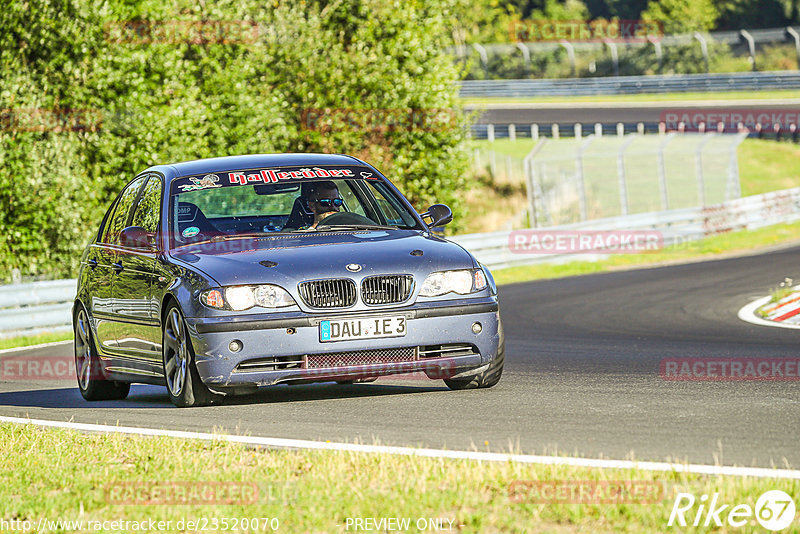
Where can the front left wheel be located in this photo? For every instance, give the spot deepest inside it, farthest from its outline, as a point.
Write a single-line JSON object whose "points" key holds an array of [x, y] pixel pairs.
{"points": [[183, 381], [91, 382]]}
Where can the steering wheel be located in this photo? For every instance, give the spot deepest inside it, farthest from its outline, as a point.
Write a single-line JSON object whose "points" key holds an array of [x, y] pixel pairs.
{"points": [[346, 217]]}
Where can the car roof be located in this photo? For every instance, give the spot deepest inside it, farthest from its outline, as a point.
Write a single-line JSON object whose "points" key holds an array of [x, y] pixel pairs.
{"points": [[252, 161]]}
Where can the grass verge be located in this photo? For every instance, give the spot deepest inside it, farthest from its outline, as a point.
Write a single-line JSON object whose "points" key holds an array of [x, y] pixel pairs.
{"points": [[55, 474], [729, 243], [26, 341]]}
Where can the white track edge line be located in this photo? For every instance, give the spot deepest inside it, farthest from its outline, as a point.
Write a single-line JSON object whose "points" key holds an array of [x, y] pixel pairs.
{"points": [[33, 347], [758, 472], [747, 313]]}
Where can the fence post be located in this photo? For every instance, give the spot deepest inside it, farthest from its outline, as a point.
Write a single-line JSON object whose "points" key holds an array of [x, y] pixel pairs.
{"points": [[703, 48], [698, 168], [598, 129], [535, 132], [577, 130], [526, 56], [791, 32], [612, 47], [512, 132], [554, 131], [490, 132], [623, 185], [734, 188], [581, 181], [570, 54], [751, 46], [530, 181], [484, 58], [657, 46], [662, 171], [620, 129]]}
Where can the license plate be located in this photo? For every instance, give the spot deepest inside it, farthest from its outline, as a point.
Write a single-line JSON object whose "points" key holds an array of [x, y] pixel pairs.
{"points": [[362, 328]]}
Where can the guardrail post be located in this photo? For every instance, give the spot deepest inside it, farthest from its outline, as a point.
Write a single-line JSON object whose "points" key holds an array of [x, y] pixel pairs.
{"points": [[512, 132], [598, 129], [698, 168], [535, 132], [490, 132], [751, 46], [620, 129], [657, 47], [612, 47], [484, 58], [623, 184], [526, 57], [791, 32], [703, 48], [554, 131], [571, 55], [577, 130], [662, 171]]}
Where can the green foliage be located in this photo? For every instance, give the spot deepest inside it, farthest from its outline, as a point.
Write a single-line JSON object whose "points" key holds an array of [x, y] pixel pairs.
{"points": [[152, 99], [682, 16]]}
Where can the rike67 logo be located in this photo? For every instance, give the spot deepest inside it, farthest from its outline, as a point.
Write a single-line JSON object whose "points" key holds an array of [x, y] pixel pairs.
{"points": [[775, 510]]}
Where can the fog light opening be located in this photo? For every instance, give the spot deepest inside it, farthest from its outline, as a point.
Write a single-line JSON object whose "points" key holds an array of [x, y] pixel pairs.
{"points": [[235, 345], [476, 328]]}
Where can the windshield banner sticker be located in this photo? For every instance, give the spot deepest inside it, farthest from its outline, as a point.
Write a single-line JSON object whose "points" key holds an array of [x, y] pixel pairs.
{"points": [[273, 175]]}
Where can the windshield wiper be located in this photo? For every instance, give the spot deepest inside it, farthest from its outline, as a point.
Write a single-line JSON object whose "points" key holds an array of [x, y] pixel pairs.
{"points": [[324, 227]]}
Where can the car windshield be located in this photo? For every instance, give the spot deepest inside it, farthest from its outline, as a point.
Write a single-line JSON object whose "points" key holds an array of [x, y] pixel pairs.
{"points": [[229, 205]]}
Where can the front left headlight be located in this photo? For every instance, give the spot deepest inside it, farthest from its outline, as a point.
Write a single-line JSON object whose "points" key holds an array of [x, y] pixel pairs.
{"points": [[239, 298], [463, 282]]}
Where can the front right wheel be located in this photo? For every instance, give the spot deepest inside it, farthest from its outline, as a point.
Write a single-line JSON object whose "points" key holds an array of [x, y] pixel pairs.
{"points": [[489, 377], [183, 381]]}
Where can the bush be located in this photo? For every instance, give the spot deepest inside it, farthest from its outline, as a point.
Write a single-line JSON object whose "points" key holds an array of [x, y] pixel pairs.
{"points": [[157, 102]]}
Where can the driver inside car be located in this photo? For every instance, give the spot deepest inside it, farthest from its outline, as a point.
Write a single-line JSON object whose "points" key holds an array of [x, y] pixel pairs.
{"points": [[324, 200]]}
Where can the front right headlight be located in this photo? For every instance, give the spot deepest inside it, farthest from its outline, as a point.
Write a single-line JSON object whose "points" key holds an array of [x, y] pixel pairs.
{"points": [[463, 282], [239, 298]]}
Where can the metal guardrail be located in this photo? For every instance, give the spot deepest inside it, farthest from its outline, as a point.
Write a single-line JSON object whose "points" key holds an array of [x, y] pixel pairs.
{"points": [[36, 307], [622, 85], [677, 227], [45, 306]]}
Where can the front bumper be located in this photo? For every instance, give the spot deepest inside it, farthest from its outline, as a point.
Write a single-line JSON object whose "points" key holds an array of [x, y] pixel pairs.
{"points": [[436, 341]]}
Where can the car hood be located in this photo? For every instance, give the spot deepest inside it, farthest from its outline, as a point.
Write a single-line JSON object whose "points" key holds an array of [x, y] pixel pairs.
{"points": [[287, 259]]}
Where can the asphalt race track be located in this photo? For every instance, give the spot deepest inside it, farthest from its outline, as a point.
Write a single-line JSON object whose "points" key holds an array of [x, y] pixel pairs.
{"points": [[582, 377]]}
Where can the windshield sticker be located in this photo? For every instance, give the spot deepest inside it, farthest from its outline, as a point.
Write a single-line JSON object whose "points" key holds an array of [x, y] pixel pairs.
{"points": [[206, 182], [190, 231], [274, 175]]}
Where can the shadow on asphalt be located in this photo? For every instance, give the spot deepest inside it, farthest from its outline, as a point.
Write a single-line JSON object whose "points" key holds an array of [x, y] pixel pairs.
{"points": [[145, 396]]}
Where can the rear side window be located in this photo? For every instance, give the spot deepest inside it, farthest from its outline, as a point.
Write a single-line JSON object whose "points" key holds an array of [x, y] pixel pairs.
{"points": [[118, 220], [148, 209]]}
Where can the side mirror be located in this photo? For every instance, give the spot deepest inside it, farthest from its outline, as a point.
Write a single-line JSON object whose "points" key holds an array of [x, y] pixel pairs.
{"points": [[136, 237], [440, 215]]}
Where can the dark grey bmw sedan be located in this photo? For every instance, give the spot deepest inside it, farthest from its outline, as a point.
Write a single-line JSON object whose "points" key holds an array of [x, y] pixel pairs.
{"points": [[217, 276]]}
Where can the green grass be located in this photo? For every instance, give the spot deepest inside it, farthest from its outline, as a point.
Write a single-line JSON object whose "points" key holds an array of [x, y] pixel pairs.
{"points": [[729, 243], [26, 341], [61, 474], [647, 97]]}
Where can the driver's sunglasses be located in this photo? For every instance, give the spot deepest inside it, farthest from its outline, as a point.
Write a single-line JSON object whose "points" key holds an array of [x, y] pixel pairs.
{"points": [[328, 202]]}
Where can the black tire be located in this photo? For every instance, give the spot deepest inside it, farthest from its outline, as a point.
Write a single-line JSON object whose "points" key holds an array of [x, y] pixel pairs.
{"points": [[184, 385], [88, 370], [488, 378]]}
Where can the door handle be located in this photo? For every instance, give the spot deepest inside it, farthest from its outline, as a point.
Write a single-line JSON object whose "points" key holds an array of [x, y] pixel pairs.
{"points": [[117, 266], [91, 263]]}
